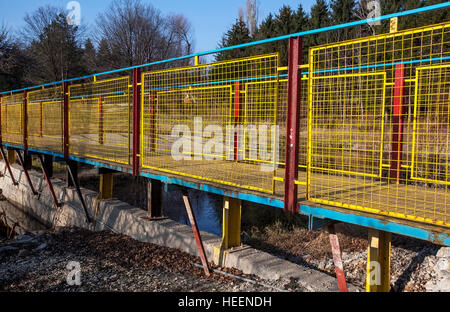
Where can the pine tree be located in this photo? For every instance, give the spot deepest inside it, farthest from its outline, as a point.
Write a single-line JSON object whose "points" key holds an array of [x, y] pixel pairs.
{"points": [[104, 57], [238, 34], [342, 11], [320, 17], [89, 57]]}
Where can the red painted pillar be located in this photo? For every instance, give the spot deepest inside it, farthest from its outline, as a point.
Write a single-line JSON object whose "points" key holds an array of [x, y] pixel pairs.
{"points": [[1, 108], [397, 123], [152, 122], [237, 95], [25, 120], [136, 119], [66, 119], [293, 115], [100, 120], [40, 120]]}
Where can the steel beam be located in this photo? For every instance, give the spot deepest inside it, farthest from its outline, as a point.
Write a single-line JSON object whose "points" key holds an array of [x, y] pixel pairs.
{"points": [[198, 238], [25, 170], [397, 124], [47, 176], [293, 115], [378, 261], [136, 120], [66, 120], [74, 179], [337, 258], [7, 159], [154, 199]]}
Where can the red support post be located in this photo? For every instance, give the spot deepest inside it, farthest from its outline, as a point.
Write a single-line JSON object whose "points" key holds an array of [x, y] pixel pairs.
{"points": [[100, 120], [1, 121], [397, 124], [66, 120], [198, 238], [337, 259], [40, 120], [152, 122], [136, 120], [293, 115], [237, 95], [25, 120]]}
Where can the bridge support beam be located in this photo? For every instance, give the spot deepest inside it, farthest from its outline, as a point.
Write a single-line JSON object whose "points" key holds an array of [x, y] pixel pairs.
{"points": [[154, 199], [11, 157], [231, 229], [198, 238], [378, 261], [106, 184], [292, 127], [337, 258]]}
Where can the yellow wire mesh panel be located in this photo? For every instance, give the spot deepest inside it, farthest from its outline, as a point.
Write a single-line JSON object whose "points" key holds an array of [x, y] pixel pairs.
{"points": [[45, 119], [303, 127], [100, 120], [12, 118], [431, 137], [194, 121], [363, 102]]}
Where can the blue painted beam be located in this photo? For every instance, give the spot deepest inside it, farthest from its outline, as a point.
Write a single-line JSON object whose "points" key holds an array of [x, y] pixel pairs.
{"points": [[393, 227]]}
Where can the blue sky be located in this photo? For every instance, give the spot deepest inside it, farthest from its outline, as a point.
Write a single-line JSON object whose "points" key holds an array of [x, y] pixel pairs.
{"points": [[210, 18]]}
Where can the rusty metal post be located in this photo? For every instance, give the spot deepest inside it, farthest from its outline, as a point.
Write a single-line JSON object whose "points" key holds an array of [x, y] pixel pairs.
{"points": [[25, 170], [237, 106], [66, 120], [197, 235], [154, 199], [47, 176], [25, 120], [337, 258], [152, 118], [397, 124], [74, 178], [101, 134], [72, 173], [8, 167], [293, 115], [136, 120]]}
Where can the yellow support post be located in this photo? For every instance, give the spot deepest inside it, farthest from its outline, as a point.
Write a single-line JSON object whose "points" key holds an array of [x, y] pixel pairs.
{"points": [[378, 273], [106, 186], [393, 25], [197, 60], [231, 229], [11, 157]]}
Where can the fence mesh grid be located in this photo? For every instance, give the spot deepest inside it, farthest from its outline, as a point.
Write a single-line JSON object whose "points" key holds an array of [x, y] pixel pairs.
{"points": [[12, 118], [45, 119], [205, 115], [100, 120], [388, 158]]}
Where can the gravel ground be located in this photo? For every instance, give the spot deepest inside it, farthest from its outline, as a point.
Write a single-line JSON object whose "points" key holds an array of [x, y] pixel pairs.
{"points": [[38, 262], [416, 265]]}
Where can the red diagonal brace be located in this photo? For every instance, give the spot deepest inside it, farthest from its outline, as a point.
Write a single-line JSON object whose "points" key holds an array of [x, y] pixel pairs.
{"points": [[198, 238], [49, 182], [337, 258], [25, 170], [5, 158]]}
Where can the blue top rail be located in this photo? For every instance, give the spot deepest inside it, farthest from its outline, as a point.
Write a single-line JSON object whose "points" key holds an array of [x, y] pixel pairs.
{"points": [[299, 34]]}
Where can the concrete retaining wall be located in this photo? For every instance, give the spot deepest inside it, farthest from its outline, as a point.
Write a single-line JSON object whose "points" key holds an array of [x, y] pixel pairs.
{"points": [[122, 218]]}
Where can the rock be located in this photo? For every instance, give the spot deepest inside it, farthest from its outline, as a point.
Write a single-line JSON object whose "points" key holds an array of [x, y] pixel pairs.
{"points": [[41, 246], [8, 249], [444, 252], [24, 253]]}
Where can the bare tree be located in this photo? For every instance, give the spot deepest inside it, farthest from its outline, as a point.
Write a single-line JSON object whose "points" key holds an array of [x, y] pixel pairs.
{"points": [[137, 33], [54, 46]]}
